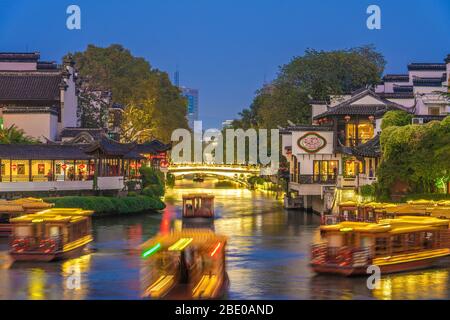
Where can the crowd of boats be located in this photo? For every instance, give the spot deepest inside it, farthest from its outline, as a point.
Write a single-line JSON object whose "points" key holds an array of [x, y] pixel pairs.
{"points": [[190, 263], [394, 237]]}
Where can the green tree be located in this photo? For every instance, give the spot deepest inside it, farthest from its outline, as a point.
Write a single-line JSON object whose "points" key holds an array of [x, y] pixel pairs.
{"points": [[13, 135], [136, 85], [315, 75], [396, 118], [416, 155]]}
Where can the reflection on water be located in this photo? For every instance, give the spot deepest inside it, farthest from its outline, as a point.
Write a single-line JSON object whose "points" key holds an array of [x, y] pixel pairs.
{"points": [[267, 257]]}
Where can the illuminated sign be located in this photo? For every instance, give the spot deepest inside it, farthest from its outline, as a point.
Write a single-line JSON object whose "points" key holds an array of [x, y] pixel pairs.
{"points": [[311, 142]]}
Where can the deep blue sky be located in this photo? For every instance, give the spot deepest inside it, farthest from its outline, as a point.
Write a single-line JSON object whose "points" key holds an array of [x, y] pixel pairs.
{"points": [[226, 48]]}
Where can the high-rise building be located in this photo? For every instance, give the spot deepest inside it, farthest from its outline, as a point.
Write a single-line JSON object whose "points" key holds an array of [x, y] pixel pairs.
{"points": [[192, 104]]}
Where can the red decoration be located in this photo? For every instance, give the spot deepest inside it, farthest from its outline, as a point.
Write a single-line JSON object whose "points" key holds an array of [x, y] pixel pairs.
{"points": [[163, 163], [311, 142], [347, 118], [81, 166], [64, 166], [14, 167]]}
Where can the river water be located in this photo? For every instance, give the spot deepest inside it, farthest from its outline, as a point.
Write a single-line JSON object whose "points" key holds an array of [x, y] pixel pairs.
{"points": [[267, 256]]}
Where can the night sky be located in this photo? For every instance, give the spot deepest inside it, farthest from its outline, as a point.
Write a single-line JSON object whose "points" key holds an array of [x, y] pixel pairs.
{"points": [[227, 48]]}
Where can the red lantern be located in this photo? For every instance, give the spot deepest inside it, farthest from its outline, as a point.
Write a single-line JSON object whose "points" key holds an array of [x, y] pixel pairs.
{"points": [[64, 166], [81, 166], [14, 167], [163, 163], [132, 165]]}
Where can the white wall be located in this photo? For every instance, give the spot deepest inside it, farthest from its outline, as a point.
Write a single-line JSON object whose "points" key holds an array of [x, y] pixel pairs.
{"points": [[70, 102], [18, 66], [36, 125]]}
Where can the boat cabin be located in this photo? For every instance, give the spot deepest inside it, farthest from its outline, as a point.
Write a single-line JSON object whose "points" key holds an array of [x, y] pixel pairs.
{"points": [[187, 264], [52, 234], [17, 208], [198, 205], [400, 244]]}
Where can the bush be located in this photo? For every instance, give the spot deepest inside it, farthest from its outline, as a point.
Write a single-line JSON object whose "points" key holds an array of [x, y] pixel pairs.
{"points": [[367, 191], [427, 196], [153, 190], [109, 205], [170, 180], [152, 182]]}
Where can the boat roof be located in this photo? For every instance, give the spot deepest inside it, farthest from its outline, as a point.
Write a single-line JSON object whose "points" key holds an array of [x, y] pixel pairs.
{"points": [[45, 218], [67, 211], [197, 195], [178, 240], [402, 224]]}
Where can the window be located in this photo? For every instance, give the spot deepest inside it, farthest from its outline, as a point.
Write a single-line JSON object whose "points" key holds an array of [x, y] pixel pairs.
{"points": [[434, 111], [325, 170], [22, 232], [357, 133], [351, 166], [381, 246]]}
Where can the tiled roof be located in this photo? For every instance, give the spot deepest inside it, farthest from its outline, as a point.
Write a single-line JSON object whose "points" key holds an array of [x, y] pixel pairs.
{"points": [[428, 82], [19, 56], [29, 86], [347, 108], [47, 65], [396, 95], [109, 147], [95, 133], [30, 109], [42, 152], [152, 147], [398, 88], [427, 66], [396, 78], [369, 149]]}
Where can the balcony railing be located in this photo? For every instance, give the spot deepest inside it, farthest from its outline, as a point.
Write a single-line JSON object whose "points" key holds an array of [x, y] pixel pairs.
{"points": [[36, 244], [317, 179]]}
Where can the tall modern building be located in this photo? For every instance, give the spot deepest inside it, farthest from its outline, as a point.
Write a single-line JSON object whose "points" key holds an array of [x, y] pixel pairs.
{"points": [[192, 106]]}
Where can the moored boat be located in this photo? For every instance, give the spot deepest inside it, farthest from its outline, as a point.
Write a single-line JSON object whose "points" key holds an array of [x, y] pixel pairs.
{"points": [[394, 245], [16, 208], [188, 264], [198, 205], [52, 234]]}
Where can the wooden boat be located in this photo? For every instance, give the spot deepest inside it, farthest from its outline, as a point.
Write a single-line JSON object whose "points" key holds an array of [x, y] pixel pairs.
{"points": [[52, 234], [395, 245], [375, 211], [17, 208], [198, 205], [187, 264]]}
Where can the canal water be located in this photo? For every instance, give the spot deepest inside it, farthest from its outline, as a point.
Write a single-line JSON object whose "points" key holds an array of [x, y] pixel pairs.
{"points": [[267, 256]]}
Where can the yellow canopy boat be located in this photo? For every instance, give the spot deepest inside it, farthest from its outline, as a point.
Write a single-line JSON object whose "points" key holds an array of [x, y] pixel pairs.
{"points": [[187, 264], [394, 245]]}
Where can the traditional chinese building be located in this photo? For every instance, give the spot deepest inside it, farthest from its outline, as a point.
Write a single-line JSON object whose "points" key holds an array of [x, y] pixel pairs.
{"points": [[37, 90], [340, 151], [100, 165]]}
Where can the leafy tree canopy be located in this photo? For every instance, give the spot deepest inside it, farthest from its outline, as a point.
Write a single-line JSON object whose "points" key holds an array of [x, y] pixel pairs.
{"points": [[396, 118], [14, 135], [416, 155], [315, 75], [133, 83]]}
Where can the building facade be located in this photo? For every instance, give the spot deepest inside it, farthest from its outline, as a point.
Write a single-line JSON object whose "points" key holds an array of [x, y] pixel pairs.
{"points": [[43, 91], [339, 152], [192, 104]]}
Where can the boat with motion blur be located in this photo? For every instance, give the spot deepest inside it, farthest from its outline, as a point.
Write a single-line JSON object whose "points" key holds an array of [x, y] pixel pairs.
{"points": [[52, 234], [198, 205], [187, 264], [394, 245]]}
